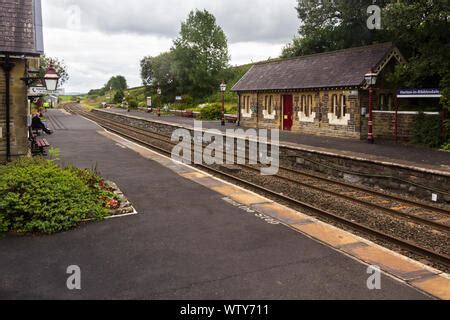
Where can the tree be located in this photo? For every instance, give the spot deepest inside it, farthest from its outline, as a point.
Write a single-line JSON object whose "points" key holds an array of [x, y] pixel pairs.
{"points": [[116, 83], [159, 71], [421, 30], [118, 97], [59, 66], [332, 25], [200, 54]]}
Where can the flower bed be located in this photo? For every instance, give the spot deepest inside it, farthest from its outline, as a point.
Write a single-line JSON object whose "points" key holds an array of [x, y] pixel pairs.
{"points": [[38, 196]]}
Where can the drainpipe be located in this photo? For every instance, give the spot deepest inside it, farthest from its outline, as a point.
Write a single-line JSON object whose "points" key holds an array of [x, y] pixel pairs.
{"points": [[396, 117], [239, 109], [257, 110], [7, 66]]}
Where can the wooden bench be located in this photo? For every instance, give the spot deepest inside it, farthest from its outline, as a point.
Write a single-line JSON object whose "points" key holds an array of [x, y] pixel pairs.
{"points": [[38, 145], [231, 119]]}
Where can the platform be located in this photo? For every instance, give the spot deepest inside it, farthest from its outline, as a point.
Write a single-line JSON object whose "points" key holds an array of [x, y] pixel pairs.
{"points": [[405, 155], [187, 242]]}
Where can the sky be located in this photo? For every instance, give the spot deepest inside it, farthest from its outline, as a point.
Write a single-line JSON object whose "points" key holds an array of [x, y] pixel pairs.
{"points": [[102, 38]]}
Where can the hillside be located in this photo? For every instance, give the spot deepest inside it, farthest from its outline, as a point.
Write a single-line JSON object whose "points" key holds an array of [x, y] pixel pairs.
{"points": [[139, 94]]}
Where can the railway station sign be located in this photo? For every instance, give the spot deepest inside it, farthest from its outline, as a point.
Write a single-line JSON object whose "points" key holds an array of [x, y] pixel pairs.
{"points": [[419, 93], [42, 91]]}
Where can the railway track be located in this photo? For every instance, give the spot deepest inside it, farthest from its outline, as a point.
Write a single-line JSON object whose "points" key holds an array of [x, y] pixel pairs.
{"points": [[408, 210]]}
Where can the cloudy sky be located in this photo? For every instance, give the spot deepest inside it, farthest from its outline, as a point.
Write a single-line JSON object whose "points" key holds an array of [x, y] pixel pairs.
{"points": [[102, 38]]}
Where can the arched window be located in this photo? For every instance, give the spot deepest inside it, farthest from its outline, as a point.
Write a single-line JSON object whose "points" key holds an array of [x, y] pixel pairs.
{"points": [[335, 104], [269, 110], [309, 106], [382, 102], [391, 102], [343, 105], [303, 104], [246, 104]]}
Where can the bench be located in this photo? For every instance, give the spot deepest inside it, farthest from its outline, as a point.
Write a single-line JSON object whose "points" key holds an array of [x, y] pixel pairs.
{"points": [[231, 118], [38, 145]]}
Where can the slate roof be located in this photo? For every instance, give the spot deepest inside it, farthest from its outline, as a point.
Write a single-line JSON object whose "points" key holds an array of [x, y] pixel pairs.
{"points": [[21, 27], [343, 68]]}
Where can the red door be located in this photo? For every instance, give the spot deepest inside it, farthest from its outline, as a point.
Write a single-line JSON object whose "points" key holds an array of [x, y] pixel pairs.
{"points": [[288, 113]]}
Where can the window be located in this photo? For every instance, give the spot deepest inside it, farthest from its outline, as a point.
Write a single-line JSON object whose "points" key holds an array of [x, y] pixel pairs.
{"points": [[391, 102], [309, 106], [268, 106], [246, 104], [343, 105], [382, 102], [335, 105], [303, 104], [269, 110]]}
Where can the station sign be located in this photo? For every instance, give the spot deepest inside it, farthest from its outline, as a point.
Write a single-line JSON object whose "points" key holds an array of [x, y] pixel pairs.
{"points": [[419, 93], [178, 98], [42, 91]]}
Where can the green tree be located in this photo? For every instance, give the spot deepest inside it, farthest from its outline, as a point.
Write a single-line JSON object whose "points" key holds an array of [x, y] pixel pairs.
{"points": [[159, 72], [200, 54], [421, 30], [59, 66], [117, 83], [332, 25], [118, 97]]}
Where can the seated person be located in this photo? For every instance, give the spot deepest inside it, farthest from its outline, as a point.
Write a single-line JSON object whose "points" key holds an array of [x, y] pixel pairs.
{"points": [[37, 124]]}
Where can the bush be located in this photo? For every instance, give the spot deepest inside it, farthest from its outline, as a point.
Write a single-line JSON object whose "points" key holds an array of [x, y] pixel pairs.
{"points": [[36, 195], [211, 112], [427, 131], [133, 104], [118, 97]]}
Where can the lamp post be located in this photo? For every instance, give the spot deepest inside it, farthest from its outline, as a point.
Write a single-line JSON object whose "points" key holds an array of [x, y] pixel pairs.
{"points": [[223, 88], [159, 92], [371, 80]]}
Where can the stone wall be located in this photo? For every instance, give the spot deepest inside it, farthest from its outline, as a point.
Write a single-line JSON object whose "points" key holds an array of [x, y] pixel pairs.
{"points": [[316, 123], [384, 125], [373, 174], [18, 111]]}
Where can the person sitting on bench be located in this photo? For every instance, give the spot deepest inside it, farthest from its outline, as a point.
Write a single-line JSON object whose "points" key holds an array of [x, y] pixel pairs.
{"points": [[37, 124]]}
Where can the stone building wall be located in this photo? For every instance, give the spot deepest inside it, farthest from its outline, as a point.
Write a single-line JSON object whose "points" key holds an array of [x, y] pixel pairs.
{"points": [[18, 111], [317, 122]]}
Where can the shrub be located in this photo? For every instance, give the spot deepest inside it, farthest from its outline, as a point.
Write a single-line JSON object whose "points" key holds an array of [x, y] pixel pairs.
{"points": [[211, 112], [427, 130], [118, 97], [36, 195], [133, 104]]}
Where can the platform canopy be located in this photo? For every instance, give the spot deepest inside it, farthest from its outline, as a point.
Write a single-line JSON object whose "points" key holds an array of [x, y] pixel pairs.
{"points": [[21, 27]]}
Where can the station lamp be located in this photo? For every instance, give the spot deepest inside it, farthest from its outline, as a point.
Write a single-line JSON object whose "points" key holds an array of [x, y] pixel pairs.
{"points": [[159, 92], [51, 78], [223, 88], [371, 80]]}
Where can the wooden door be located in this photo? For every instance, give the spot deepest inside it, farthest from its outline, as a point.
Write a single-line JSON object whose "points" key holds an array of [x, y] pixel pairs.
{"points": [[288, 112]]}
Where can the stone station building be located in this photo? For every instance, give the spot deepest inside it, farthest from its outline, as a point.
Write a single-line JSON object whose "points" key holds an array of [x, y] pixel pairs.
{"points": [[322, 94], [21, 44]]}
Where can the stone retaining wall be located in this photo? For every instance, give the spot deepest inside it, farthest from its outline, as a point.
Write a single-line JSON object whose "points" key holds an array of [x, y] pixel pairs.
{"points": [[375, 174]]}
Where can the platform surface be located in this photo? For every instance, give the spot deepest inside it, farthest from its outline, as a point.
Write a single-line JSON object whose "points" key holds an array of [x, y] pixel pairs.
{"points": [[185, 243], [385, 151]]}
